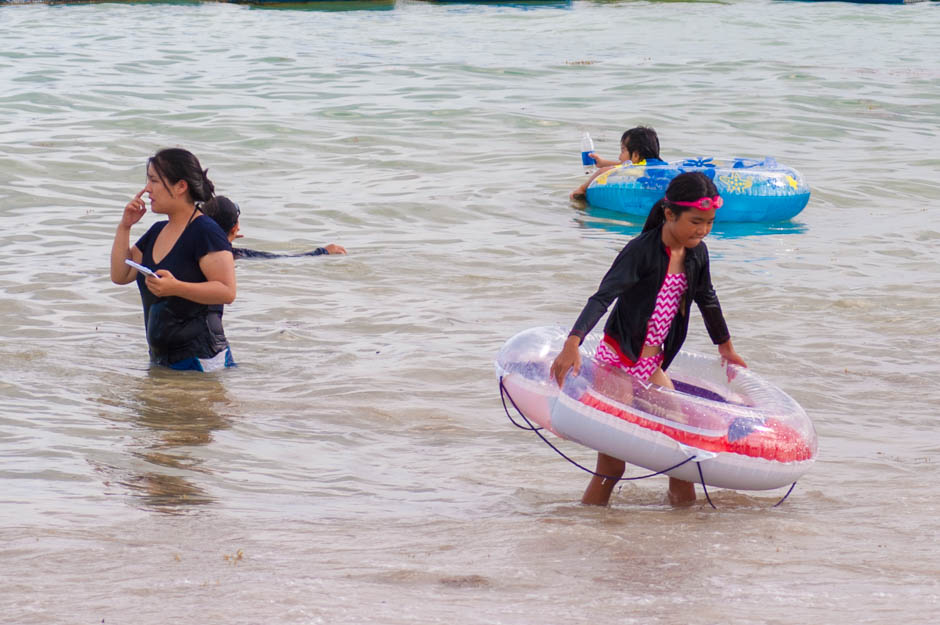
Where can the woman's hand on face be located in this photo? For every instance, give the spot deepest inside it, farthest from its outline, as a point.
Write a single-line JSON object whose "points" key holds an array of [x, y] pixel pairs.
{"points": [[134, 210], [568, 360], [164, 286]]}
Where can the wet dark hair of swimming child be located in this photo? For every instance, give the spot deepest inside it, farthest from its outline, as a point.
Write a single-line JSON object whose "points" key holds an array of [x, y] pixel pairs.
{"points": [[225, 212], [685, 188], [643, 140]]}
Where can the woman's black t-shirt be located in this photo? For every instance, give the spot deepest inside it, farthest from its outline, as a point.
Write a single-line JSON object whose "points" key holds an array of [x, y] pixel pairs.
{"points": [[179, 328]]}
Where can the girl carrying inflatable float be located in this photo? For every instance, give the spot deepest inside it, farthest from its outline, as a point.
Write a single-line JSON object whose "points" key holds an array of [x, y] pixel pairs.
{"points": [[624, 405]]}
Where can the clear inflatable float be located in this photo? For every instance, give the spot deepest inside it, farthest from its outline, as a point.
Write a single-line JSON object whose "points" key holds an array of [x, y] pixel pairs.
{"points": [[723, 425]]}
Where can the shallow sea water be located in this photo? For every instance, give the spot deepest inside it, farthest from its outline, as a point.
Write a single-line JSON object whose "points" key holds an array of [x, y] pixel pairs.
{"points": [[357, 466]]}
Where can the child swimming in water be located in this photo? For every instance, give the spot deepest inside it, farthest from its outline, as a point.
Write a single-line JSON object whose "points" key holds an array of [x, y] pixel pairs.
{"points": [[654, 280], [637, 145], [226, 213]]}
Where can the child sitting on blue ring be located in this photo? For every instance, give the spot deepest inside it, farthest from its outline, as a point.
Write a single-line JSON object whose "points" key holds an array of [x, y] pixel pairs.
{"points": [[638, 145]]}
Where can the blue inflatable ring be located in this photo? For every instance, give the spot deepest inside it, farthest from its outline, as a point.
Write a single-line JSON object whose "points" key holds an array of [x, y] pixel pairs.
{"points": [[752, 189]]}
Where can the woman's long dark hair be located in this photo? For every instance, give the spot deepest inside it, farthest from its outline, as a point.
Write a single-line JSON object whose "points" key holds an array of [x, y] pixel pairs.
{"points": [[687, 187], [175, 164]]}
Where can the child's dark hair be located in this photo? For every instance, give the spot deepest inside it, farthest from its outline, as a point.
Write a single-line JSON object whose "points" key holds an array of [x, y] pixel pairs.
{"points": [[223, 211], [641, 139], [174, 164], [687, 187]]}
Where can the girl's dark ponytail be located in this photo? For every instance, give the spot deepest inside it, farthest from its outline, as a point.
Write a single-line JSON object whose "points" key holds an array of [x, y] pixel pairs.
{"points": [[657, 216]]}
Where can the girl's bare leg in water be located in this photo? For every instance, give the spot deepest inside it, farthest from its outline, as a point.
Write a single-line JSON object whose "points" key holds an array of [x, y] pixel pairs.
{"points": [[680, 493], [599, 488]]}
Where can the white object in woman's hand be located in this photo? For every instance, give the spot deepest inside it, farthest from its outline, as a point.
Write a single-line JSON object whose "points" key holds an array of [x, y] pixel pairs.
{"points": [[141, 268]]}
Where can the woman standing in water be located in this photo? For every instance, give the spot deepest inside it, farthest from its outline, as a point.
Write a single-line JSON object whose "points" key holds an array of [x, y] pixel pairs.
{"points": [[192, 261]]}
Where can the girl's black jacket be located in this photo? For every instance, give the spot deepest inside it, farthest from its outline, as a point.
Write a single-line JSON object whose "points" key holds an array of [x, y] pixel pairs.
{"points": [[634, 281]]}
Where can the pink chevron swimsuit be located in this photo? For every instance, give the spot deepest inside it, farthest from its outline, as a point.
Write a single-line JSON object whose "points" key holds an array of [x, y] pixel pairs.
{"points": [[664, 311]]}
